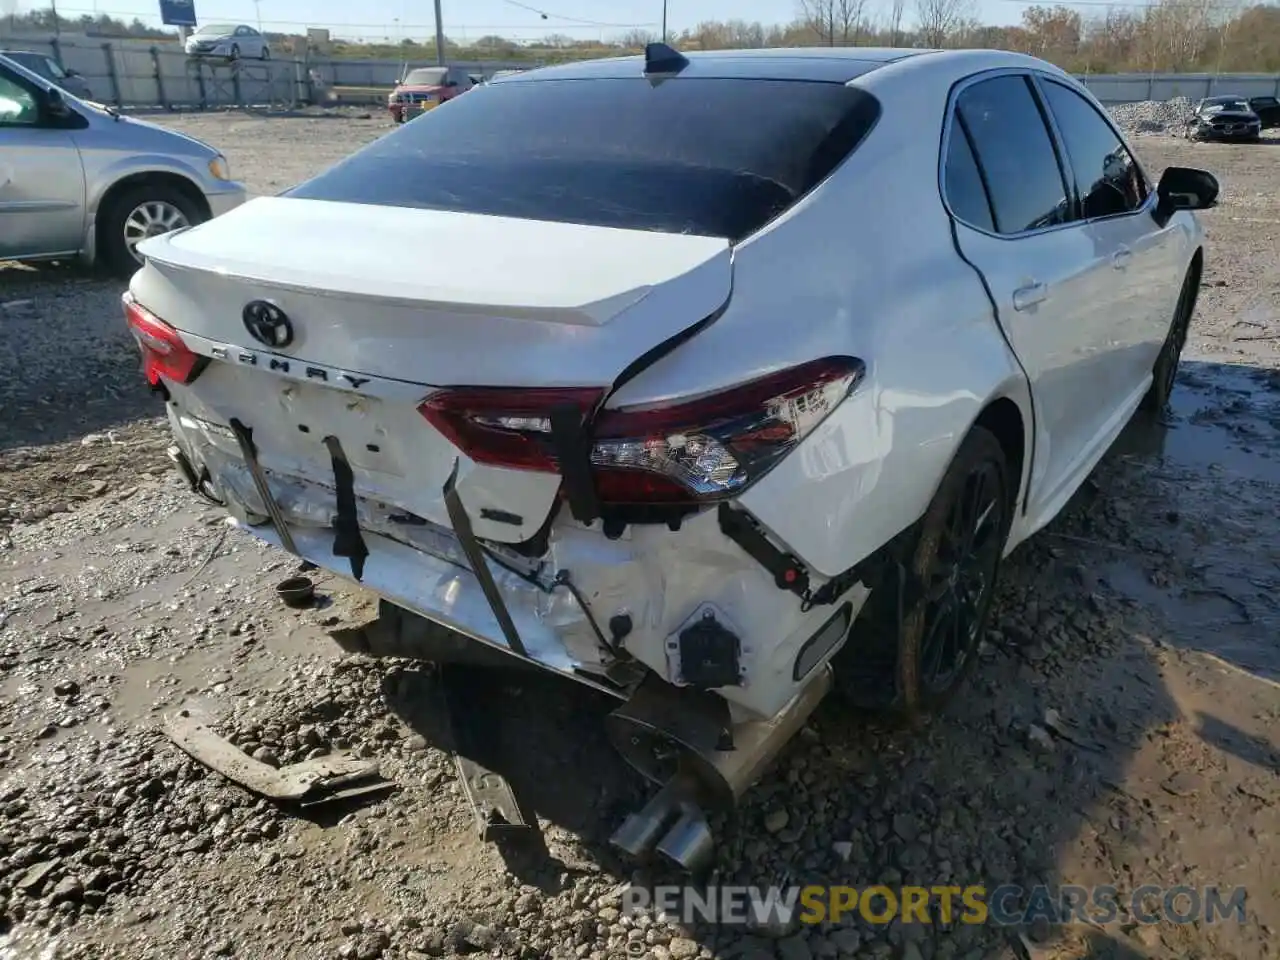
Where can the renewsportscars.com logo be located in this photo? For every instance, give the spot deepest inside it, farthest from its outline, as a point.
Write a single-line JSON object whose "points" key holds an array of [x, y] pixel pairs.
{"points": [[1006, 905]]}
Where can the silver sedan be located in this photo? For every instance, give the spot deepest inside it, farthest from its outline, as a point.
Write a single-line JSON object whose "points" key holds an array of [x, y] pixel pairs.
{"points": [[81, 180], [229, 40]]}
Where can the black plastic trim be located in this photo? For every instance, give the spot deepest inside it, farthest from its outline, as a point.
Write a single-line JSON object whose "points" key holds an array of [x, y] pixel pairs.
{"points": [[787, 571]]}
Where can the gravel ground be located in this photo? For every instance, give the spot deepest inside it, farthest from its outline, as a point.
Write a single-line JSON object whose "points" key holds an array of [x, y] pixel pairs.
{"points": [[1122, 729]]}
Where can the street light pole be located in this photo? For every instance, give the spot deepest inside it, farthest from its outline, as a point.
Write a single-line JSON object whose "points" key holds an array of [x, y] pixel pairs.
{"points": [[664, 21], [439, 37]]}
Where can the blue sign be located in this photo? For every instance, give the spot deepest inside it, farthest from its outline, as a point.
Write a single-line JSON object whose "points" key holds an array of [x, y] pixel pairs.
{"points": [[178, 13]]}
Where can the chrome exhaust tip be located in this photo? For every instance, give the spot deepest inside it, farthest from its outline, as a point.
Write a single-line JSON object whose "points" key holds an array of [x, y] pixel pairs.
{"points": [[689, 843], [660, 739]]}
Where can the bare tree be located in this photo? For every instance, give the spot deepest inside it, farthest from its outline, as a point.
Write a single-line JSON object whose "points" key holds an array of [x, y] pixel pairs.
{"points": [[939, 19], [636, 39], [833, 21], [896, 9]]}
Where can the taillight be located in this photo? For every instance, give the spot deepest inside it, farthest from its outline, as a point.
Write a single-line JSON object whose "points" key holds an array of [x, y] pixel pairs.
{"points": [[698, 450], [163, 352], [504, 426]]}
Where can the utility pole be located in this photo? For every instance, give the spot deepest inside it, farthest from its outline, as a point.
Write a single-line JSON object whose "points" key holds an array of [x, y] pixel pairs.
{"points": [[664, 21], [439, 37]]}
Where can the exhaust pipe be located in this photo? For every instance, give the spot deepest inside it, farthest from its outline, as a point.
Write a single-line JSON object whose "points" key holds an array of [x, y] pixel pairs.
{"points": [[670, 736]]}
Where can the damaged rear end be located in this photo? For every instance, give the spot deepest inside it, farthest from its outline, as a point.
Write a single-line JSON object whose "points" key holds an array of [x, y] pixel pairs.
{"points": [[411, 384]]}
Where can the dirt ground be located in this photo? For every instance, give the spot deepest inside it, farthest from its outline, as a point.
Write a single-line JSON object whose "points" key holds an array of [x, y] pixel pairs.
{"points": [[1123, 728]]}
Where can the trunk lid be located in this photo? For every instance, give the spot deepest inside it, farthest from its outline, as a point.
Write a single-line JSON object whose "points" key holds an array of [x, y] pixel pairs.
{"points": [[386, 304]]}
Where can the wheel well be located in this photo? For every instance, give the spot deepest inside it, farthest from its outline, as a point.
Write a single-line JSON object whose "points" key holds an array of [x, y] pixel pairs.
{"points": [[1004, 420], [172, 180]]}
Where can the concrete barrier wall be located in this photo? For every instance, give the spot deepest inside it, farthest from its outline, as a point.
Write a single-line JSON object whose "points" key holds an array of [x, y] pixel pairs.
{"points": [[1131, 88], [145, 73]]}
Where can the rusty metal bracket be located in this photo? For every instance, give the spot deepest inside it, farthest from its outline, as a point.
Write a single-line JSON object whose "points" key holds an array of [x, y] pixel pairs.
{"points": [[498, 811], [245, 438], [309, 782], [479, 564]]}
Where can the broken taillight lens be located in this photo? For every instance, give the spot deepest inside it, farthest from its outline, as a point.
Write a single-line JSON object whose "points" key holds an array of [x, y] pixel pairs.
{"points": [[163, 352], [697, 450]]}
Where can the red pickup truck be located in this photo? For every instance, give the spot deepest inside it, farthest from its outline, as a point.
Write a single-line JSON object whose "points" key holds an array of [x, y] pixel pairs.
{"points": [[422, 88]]}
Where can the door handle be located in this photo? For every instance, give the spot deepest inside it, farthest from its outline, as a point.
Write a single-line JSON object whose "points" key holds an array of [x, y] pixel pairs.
{"points": [[1030, 295], [1120, 259]]}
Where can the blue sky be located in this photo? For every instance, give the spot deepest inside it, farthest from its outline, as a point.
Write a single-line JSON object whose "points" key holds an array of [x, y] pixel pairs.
{"points": [[469, 19]]}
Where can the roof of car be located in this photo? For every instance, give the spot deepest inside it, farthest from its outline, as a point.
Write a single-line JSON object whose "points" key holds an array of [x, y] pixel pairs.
{"points": [[834, 64]]}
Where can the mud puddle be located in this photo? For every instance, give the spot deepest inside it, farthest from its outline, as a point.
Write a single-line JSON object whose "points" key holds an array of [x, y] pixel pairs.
{"points": [[1223, 417], [1212, 577]]}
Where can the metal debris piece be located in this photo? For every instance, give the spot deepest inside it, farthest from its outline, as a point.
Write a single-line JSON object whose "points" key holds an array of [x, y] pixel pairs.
{"points": [[498, 811], [315, 781]]}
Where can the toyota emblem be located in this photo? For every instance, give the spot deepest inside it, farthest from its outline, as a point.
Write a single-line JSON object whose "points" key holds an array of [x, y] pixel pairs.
{"points": [[267, 323]]}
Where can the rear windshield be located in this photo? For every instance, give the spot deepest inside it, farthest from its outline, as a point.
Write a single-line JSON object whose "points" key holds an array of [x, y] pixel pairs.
{"points": [[701, 156]]}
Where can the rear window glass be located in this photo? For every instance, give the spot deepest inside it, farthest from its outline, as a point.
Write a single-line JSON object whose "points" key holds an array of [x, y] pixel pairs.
{"points": [[712, 157]]}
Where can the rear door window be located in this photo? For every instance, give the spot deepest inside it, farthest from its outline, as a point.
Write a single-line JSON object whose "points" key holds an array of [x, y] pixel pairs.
{"points": [[1016, 154], [714, 157]]}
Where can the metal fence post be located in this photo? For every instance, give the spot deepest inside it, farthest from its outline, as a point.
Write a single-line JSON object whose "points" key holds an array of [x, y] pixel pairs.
{"points": [[108, 53], [235, 83], [155, 62], [56, 44], [204, 98]]}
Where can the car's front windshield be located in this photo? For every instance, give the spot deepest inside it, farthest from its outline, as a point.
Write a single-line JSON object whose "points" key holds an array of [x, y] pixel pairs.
{"points": [[425, 77], [215, 30], [1225, 104]]}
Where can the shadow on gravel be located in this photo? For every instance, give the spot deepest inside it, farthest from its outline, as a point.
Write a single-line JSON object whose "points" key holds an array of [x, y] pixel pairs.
{"points": [[515, 722], [1230, 739]]}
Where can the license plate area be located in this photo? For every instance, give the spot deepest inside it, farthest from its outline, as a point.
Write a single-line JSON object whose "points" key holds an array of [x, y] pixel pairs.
{"points": [[289, 421]]}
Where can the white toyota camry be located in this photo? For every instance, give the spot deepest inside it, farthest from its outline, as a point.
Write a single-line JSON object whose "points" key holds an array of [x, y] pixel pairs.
{"points": [[707, 380]]}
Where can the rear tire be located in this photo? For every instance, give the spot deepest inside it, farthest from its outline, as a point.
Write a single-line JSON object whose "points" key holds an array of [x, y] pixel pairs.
{"points": [[1165, 372], [266, 54], [123, 222], [953, 559]]}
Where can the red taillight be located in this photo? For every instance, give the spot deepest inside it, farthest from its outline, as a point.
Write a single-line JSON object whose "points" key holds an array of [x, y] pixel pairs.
{"points": [[163, 352], [504, 426], [690, 451]]}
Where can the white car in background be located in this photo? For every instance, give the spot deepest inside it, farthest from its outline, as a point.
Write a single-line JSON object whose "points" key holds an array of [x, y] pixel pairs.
{"points": [[228, 40], [723, 404]]}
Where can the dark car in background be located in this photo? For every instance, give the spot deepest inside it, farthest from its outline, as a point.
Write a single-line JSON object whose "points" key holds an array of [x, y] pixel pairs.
{"points": [[1224, 118], [1268, 111], [51, 70]]}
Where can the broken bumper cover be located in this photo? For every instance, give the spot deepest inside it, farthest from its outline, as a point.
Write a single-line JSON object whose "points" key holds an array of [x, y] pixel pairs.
{"points": [[668, 585]]}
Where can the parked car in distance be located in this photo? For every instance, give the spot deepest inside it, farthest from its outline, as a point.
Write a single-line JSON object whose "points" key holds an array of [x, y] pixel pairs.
{"points": [[78, 179], [1224, 118], [51, 70], [423, 88], [229, 40], [1268, 111], [705, 439]]}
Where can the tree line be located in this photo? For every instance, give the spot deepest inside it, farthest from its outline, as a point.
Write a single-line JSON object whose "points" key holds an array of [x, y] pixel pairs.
{"points": [[1164, 36]]}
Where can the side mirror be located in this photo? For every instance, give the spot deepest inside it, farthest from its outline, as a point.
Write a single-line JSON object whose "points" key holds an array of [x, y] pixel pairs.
{"points": [[55, 105], [452, 83], [1185, 188], [72, 73]]}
